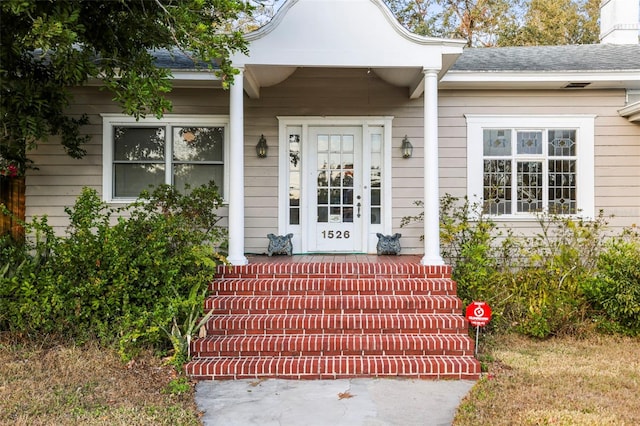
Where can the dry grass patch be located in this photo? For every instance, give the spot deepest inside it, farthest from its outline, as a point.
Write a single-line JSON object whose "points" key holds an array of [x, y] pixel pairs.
{"points": [[88, 385], [561, 381]]}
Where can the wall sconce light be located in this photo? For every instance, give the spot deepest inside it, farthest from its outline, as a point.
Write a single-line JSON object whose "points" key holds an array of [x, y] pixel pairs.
{"points": [[262, 148], [407, 148]]}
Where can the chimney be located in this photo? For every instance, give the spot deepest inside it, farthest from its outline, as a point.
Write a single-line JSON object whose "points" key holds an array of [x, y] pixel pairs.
{"points": [[619, 21]]}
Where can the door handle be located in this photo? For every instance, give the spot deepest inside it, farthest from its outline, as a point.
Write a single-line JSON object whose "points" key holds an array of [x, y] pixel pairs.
{"points": [[358, 205]]}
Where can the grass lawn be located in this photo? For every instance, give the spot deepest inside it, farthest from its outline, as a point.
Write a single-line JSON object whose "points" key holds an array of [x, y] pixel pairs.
{"points": [[88, 385], [561, 381]]}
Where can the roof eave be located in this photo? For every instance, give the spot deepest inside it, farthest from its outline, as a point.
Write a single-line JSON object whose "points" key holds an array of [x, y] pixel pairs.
{"points": [[631, 112], [614, 79], [197, 78]]}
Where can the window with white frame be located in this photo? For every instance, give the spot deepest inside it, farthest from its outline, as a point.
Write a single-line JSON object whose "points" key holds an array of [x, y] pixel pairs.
{"points": [[177, 150], [520, 165]]}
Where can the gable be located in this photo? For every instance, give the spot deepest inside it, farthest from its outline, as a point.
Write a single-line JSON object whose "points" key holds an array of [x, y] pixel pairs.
{"points": [[342, 34], [350, 33]]}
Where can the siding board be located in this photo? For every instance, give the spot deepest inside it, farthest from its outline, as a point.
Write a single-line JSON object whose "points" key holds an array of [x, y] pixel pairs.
{"points": [[352, 92]]}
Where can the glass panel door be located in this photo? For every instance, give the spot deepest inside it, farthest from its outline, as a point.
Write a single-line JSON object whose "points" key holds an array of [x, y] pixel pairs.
{"points": [[336, 190]]}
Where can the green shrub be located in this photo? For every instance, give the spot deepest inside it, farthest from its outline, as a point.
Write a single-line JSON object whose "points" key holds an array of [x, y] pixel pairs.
{"points": [[532, 283], [133, 281], [614, 291], [474, 245], [469, 240], [549, 271], [24, 304]]}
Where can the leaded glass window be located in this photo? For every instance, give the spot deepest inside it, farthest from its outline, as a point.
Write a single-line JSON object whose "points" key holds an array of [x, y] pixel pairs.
{"points": [[529, 193], [529, 170], [497, 186], [497, 142]]}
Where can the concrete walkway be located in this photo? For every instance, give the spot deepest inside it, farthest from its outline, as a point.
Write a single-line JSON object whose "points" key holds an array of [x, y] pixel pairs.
{"points": [[348, 402]]}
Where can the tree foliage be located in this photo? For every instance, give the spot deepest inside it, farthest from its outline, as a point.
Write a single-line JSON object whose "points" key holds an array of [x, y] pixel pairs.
{"points": [[477, 21], [419, 16], [484, 23], [47, 46], [555, 22]]}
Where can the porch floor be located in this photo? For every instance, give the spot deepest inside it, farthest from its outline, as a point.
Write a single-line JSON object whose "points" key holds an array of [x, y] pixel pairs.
{"points": [[334, 258]]}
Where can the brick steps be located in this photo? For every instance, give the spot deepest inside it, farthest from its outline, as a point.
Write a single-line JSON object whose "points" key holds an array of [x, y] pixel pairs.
{"points": [[333, 345], [335, 270], [334, 320], [331, 304], [335, 323], [333, 286], [336, 367]]}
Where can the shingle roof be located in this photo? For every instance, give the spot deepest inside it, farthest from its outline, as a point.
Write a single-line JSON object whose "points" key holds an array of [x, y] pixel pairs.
{"points": [[176, 60], [589, 57]]}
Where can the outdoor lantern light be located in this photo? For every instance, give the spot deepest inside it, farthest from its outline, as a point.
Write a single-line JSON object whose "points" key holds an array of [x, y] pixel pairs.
{"points": [[262, 148], [407, 148]]}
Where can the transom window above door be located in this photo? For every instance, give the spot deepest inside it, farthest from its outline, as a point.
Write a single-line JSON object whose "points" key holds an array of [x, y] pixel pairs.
{"points": [[181, 151]]}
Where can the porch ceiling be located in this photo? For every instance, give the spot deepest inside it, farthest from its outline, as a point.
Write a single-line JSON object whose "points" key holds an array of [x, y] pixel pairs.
{"points": [[338, 33]]}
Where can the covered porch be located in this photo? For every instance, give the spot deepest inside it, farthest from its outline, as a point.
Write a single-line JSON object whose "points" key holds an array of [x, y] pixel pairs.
{"points": [[362, 35]]}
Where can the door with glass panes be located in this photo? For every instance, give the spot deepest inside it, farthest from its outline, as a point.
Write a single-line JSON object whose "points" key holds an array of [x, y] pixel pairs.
{"points": [[335, 188]]}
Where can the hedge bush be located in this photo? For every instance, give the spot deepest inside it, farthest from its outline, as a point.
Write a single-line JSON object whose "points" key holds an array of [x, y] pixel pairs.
{"points": [[614, 291], [135, 280]]}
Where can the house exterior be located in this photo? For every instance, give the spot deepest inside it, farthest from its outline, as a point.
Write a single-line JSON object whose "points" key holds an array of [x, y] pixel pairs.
{"points": [[336, 89]]}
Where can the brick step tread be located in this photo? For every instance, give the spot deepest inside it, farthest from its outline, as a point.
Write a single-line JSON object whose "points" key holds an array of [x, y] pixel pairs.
{"points": [[332, 367], [234, 305], [335, 324], [355, 269], [334, 286], [332, 344]]}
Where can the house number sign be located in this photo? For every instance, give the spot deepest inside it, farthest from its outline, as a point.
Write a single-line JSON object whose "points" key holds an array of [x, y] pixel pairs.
{"points": [[336, 234]]}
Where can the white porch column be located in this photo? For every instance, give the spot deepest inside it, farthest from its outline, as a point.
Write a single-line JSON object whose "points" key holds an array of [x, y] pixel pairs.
{"points": [[236, 171], [431, 184]]}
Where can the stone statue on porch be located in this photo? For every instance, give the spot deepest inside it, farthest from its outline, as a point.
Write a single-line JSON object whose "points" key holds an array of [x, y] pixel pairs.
{"points": [[280, 244], [388, 244]]}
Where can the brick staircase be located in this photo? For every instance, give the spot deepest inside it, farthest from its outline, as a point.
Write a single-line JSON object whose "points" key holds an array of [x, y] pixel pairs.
{"points": [[334, 320]]}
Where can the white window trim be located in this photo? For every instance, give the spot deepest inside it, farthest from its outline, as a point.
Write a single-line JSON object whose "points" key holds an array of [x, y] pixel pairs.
{"points": [[109, 121], [585, 127]]}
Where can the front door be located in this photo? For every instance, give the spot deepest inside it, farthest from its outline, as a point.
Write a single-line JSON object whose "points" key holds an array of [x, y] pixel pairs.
{"points": [[335, 181], [335, 177]]}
